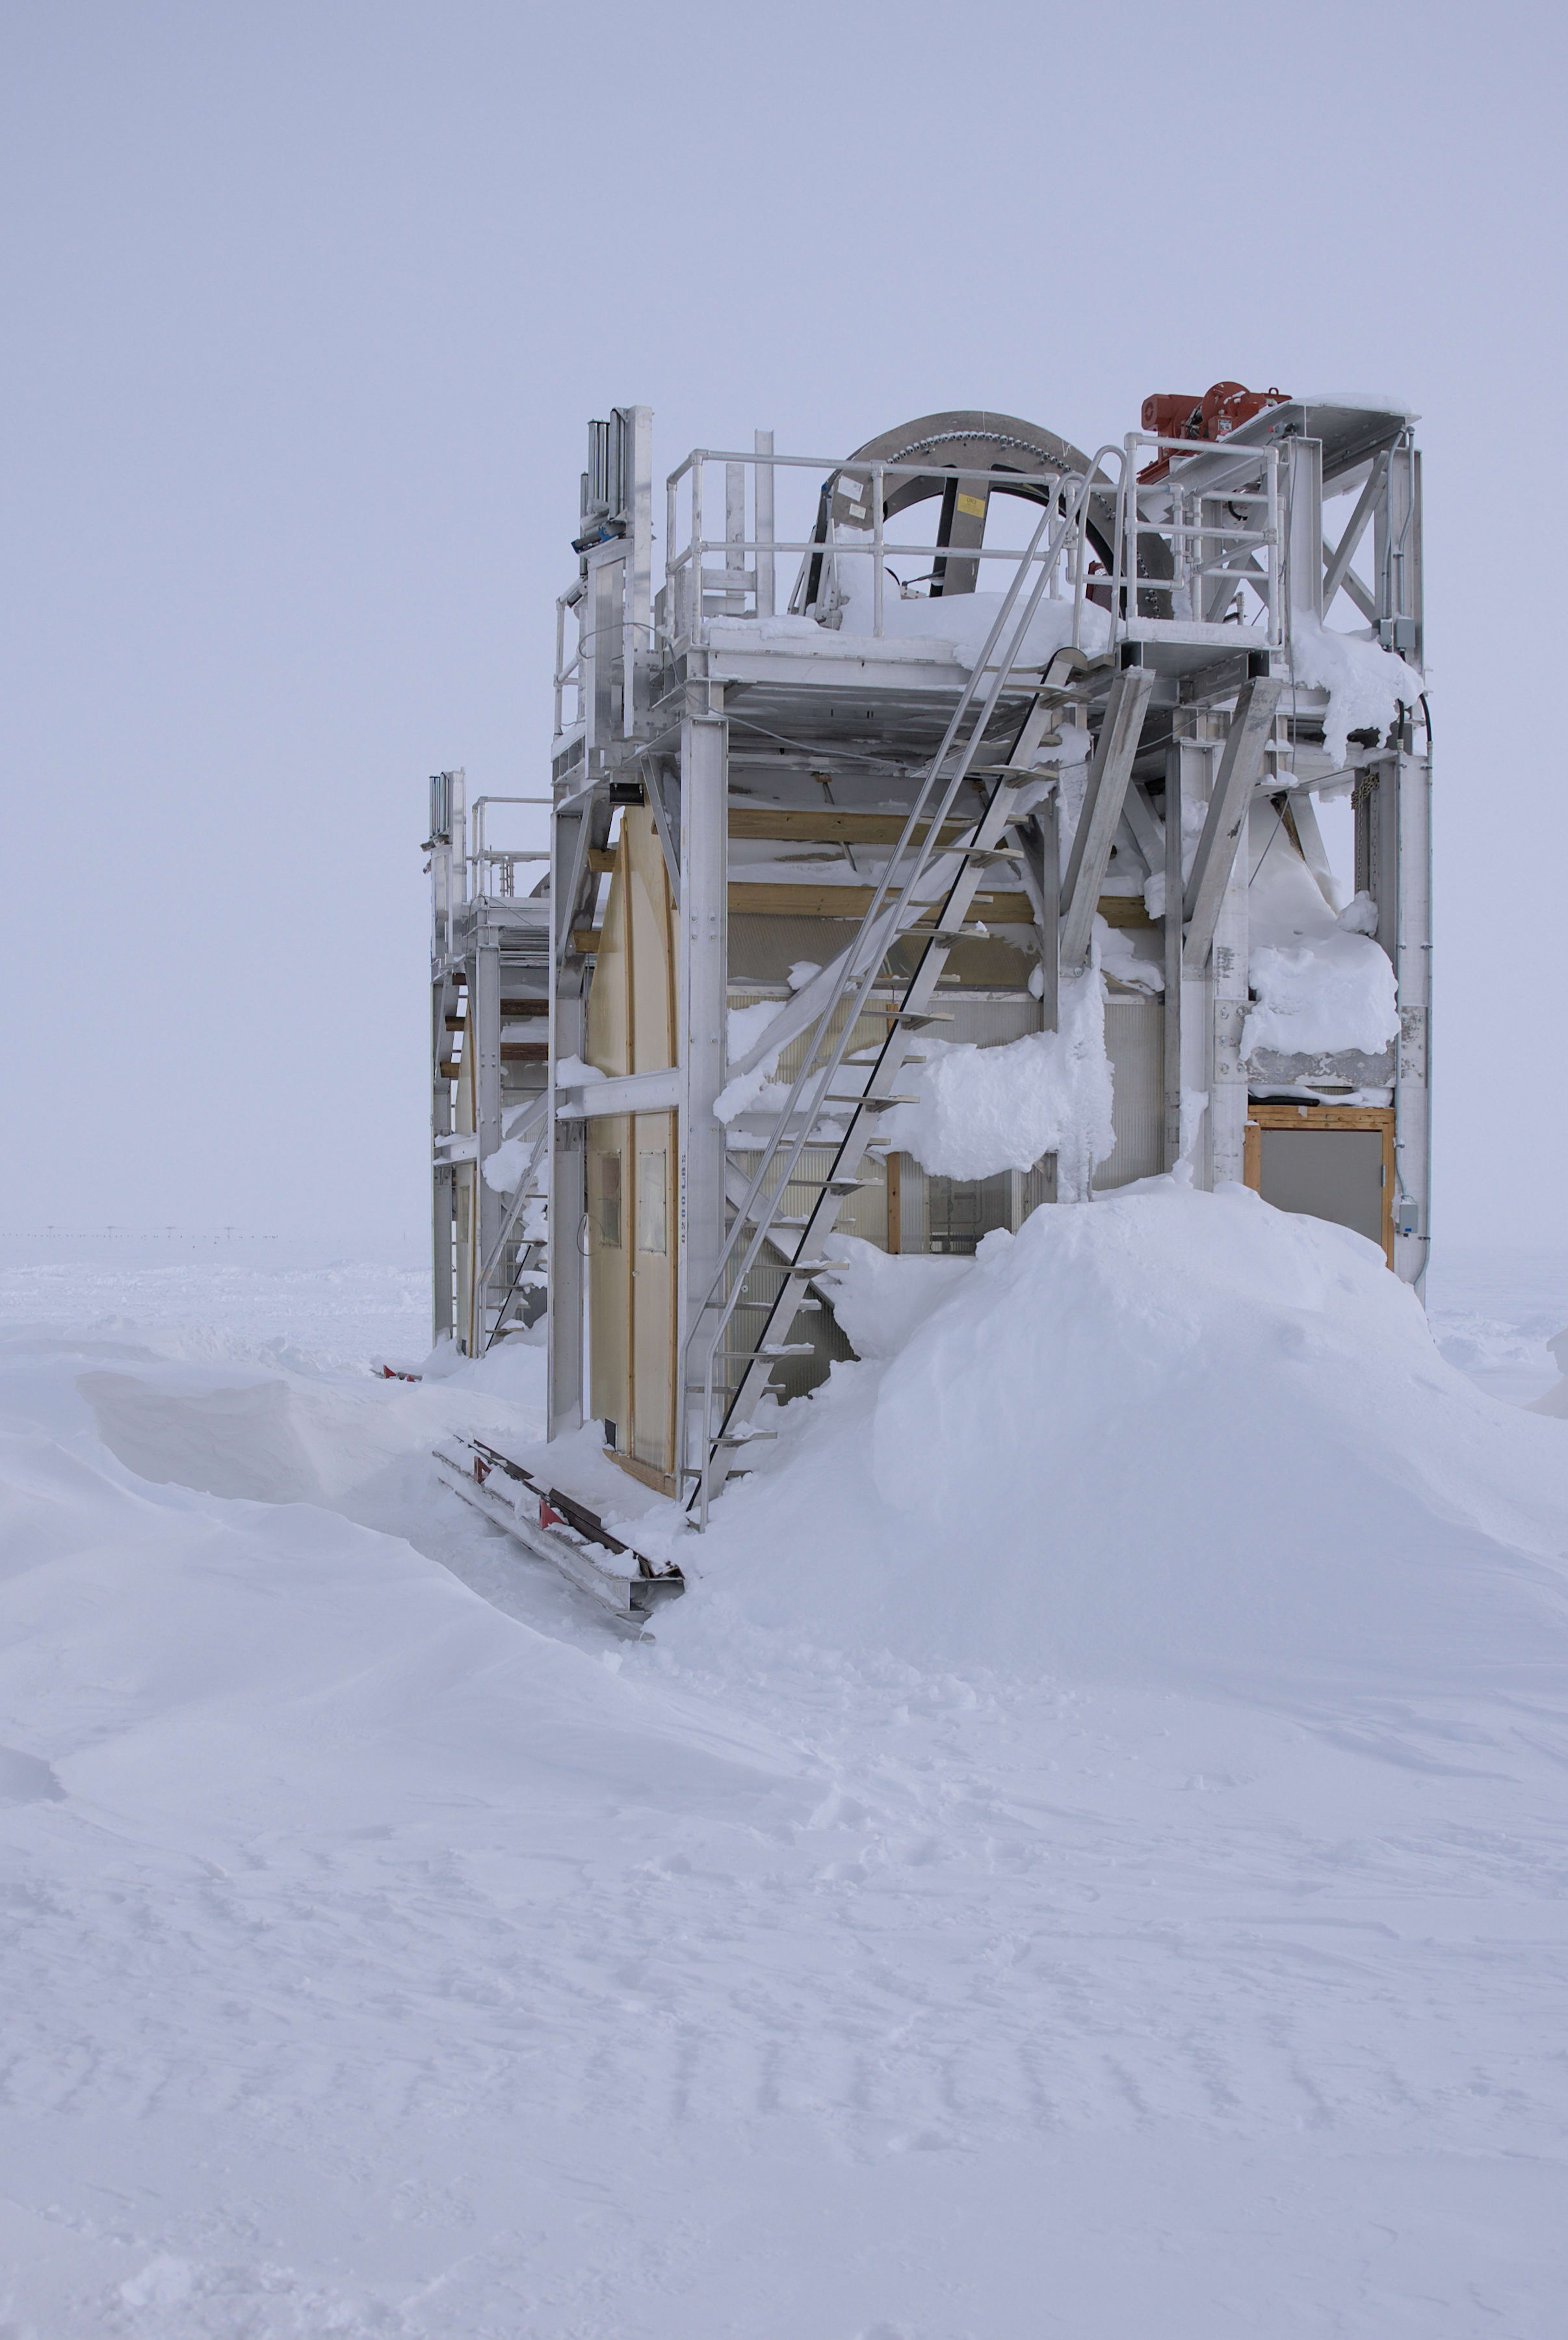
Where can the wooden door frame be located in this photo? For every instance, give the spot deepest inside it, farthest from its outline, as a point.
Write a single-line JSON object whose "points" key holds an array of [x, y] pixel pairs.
{"points": [[1282, 1115]]}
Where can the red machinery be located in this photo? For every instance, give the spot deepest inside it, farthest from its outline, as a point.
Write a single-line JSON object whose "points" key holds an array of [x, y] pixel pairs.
{"points": [[1174, 414]]}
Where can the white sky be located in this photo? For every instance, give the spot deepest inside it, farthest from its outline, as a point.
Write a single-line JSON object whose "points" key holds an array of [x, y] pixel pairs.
{"points": [[307, 306]]}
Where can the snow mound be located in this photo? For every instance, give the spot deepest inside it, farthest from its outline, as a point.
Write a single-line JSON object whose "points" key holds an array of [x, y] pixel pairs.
{"points": [[1168, 1436]]}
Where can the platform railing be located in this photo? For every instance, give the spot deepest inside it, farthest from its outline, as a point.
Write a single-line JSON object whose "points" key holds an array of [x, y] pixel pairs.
{"points": [[492, 869], [1205, 542], [743, 585], [1216, 529]]}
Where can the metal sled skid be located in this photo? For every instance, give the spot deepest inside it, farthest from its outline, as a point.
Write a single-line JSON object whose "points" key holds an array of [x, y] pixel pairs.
{"points": [[555, 1527]]}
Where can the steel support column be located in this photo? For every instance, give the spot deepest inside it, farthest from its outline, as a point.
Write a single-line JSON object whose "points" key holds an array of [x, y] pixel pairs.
{"points": [[484, 1039], [702, 927], [1396, 865], [1189, 990], [442, 1324], [1224, 1124], [570, 827]]}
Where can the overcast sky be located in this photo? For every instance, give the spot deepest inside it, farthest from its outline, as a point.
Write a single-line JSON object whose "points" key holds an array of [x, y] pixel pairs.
{"points": [[306, 308]]}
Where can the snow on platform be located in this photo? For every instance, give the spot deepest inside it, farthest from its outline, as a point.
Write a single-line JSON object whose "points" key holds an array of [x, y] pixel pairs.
{"points": [[970, 1916]]}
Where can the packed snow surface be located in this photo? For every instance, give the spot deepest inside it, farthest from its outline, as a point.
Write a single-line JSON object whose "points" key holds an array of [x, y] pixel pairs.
{"points": [[1086, 1856]]}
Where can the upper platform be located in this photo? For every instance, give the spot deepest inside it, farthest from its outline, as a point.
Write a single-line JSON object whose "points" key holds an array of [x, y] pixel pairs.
{"points": [[843, 605]]}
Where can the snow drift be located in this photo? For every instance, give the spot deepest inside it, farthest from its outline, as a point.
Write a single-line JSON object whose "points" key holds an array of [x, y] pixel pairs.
{"points": [[1168, 1436], [385, 1961]]}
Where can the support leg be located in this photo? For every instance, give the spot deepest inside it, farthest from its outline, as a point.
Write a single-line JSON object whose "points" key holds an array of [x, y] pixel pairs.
{"points": [[1227, 1118], [1176, 755], [703, 975], [441, 1326], [484, 1039]]}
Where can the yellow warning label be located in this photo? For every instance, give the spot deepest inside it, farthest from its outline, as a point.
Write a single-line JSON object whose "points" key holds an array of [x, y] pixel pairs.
{"points": [[974, 505]]}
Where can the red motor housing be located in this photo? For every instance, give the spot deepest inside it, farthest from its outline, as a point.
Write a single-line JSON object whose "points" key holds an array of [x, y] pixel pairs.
{"points": [[1227, 404], [1174, 414]]}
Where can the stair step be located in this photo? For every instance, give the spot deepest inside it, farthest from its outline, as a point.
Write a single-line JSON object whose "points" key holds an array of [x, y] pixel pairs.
{"points": [[880, 1104], [917, 1018], [818, 1266]]}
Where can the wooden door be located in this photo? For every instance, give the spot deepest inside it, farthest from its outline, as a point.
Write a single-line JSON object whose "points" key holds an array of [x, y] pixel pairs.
{"points": [[632, 1278]]}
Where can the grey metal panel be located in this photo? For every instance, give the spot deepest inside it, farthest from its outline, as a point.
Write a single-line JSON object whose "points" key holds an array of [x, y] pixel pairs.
{"points": [[1134, 1043], [987, 1022], [1326, 1173]]}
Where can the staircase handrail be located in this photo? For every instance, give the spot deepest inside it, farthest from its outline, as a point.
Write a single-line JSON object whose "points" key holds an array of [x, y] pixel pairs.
{"points": [[1072, 517]]}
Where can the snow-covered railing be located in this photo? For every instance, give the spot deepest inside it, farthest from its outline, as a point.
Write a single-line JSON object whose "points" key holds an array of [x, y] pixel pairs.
{"points": [[744, 585]]}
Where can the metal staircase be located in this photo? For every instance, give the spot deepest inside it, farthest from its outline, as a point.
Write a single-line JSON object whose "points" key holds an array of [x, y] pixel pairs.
{"points": [[725, 1372], [502, 1285]]}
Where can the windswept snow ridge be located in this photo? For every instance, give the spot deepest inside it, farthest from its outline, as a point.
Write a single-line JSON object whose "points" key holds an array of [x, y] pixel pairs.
{"points": [[1085, 1855]]}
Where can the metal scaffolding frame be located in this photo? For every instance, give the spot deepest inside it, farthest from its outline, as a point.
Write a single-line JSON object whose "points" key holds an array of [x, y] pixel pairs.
{"points": [[716, 713]]}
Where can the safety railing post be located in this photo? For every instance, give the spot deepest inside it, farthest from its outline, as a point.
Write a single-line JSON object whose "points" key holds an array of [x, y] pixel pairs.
{"points": [[1276, 623], [762, 505], [694, 572], [877, 538]]}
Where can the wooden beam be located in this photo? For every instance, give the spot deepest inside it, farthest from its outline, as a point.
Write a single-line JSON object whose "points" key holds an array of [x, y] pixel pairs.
{"points": [[1284, 1115], [830, 824], [854, 901]]}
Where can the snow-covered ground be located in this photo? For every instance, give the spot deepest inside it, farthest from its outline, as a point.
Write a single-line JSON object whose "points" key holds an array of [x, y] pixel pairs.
{"points": [[967, 1920]]}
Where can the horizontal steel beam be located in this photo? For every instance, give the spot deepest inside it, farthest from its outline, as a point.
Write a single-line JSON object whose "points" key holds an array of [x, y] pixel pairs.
{"points": [[620, 1092]]}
